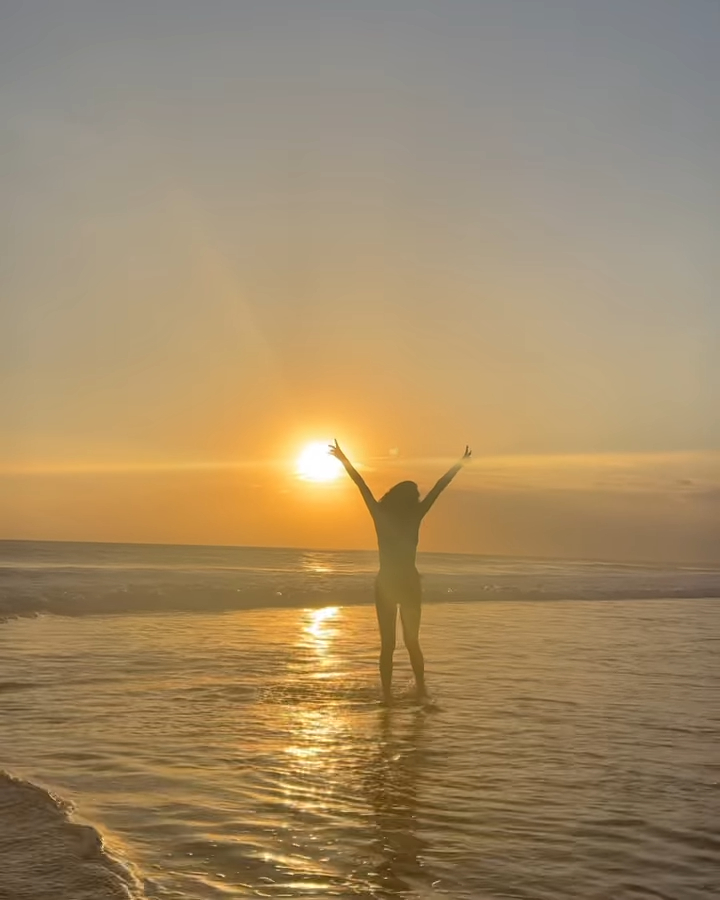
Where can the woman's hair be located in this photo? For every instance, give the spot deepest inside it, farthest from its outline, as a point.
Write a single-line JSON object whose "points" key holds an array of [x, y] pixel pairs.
{"points": [[401, 499]]}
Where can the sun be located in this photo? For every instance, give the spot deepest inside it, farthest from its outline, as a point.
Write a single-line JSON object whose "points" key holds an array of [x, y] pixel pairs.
{"points": [[316, 464]]}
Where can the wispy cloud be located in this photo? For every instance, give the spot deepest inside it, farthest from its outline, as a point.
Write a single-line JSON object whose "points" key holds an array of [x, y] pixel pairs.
{"points": [[680, 473], [677, 472], [135, 468]]}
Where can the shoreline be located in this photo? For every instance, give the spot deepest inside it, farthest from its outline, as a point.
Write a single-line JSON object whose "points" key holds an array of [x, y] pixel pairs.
{"points": [[76, 610], [45, 852]]}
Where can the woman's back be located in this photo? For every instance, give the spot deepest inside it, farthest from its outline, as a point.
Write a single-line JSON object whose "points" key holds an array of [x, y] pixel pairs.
{"points": [[397, 537]]}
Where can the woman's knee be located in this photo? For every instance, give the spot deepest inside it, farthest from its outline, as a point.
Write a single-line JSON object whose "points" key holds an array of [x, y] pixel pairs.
{"points": [[412, 645], [411, 631]]}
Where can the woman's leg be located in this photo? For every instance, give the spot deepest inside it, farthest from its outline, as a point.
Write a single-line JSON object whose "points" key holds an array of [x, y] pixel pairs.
{"points": [[410, 613], [387, 616]]}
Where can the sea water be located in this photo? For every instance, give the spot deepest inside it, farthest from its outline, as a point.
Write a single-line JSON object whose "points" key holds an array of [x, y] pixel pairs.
{"points": [[187, 723]]}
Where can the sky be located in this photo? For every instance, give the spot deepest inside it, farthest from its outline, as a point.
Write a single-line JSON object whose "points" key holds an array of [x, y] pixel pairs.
{"points": [[230, 228]]}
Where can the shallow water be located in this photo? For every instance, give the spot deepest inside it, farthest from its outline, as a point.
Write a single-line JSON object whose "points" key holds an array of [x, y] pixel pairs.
{"points": [[572, 750]]}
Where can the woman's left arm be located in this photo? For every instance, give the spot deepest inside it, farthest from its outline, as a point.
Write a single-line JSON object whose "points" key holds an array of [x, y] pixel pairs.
{"points": [[443, 482]]}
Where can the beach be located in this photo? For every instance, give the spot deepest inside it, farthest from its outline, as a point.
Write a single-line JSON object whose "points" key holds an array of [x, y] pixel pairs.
{"points": [[315, 310], [570, 750]]}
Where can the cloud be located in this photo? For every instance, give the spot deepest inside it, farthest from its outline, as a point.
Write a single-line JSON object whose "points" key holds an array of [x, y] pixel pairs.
{"points": [[680, 472], [638, 525]]}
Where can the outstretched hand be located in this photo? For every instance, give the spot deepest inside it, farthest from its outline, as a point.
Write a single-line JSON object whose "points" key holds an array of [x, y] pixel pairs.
{"points": [[466, 455], [334, 450]]}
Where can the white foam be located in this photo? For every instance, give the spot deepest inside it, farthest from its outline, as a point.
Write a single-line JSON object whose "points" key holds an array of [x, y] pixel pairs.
{"points": [[87, 579]]}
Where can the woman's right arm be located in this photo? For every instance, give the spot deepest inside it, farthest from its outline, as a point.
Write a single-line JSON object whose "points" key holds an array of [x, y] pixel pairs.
{"points": [[367, 496]]}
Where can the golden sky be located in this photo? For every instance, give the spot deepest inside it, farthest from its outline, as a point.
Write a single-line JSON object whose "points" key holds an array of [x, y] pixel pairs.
{"points": [[233, 231], [648, 507]]}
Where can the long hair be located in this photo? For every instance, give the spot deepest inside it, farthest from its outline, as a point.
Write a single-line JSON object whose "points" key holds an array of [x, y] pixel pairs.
{"points": [[401, 499]]}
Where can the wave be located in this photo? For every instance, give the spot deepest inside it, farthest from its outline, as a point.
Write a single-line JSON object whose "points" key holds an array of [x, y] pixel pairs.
{"points": [[81, 580], [45, 855], [204, 600]]}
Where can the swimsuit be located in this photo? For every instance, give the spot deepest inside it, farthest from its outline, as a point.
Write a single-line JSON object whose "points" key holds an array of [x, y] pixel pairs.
{"points": [[398, 587]]}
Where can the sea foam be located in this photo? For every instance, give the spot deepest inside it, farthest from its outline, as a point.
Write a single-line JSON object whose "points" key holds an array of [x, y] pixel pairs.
{"points": [[89, 579]]}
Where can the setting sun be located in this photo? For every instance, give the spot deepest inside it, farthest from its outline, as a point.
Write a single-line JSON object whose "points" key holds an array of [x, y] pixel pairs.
{"points": [[316, 464]]}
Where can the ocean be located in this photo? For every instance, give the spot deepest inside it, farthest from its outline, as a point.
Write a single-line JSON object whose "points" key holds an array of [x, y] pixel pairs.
{"points": [[182, 723]]}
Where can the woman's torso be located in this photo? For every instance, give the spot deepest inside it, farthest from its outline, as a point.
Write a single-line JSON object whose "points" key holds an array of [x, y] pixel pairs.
{"points": [[397, 542]]}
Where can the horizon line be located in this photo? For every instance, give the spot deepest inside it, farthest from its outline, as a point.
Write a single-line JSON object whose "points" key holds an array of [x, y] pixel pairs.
{"points": [[612, 457], [593, 560]]}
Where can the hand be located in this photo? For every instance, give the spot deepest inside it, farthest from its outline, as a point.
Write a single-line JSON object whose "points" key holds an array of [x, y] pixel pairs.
{"points": [[334, 450], [467, 454]]}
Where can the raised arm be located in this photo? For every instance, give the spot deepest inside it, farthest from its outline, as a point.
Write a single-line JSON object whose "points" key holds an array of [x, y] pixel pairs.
{"points": [[367, 496], [442, 483]]}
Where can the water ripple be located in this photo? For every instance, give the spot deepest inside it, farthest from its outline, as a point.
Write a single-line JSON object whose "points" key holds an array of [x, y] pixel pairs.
{"points": [[247, 755]]}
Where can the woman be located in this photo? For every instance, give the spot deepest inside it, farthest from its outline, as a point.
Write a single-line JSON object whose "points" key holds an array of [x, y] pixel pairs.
{"points": [[397, 516]]}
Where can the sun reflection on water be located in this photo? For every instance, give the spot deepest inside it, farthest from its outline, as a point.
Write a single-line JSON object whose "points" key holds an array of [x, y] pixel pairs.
{"points": [[316, 734], [318, 563], [316, 625], [314, 731], [319, 633]]}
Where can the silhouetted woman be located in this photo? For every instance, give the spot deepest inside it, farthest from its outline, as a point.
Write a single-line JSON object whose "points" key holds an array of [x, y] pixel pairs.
{"points": [[397, 517]]}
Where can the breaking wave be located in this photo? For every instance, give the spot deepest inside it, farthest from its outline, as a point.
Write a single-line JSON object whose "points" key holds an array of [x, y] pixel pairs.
{"points": [[91, 579], [44, 854]]}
